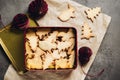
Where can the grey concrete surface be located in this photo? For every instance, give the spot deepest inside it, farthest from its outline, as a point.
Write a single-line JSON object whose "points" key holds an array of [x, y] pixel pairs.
{"points": [[109, 53], [4, 63]]}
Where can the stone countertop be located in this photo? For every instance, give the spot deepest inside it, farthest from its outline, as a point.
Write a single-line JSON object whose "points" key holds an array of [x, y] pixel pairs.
{"points": [[108, 56]]}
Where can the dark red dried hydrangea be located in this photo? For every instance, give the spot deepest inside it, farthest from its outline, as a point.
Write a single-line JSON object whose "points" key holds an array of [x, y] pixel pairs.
{"points": [[84, 55], [37, 9], [20, 21]]}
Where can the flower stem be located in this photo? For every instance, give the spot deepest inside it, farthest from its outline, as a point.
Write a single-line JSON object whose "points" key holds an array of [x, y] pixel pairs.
{"points": [[93, 75]]}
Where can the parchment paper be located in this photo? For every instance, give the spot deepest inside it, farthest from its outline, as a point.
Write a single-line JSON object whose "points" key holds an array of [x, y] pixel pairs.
{"points": [[99, 28]]}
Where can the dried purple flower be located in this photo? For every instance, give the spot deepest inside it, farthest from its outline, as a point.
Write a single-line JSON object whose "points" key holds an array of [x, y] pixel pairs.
{"points": [[37, 9], [20, 21], [84, 55]]}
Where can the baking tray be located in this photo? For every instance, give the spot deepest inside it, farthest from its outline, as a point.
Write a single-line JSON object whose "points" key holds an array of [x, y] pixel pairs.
{"points": [[57, 28], [12, 43]]}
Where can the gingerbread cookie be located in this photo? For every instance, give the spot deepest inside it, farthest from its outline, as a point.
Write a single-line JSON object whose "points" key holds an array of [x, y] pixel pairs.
{"points": [[61, 63], [47, 46], [48, 60], [92, 13], [32, 39], [67, 14], [35, 62], [86, 32], [42, 33], [66, 35], [71, 59]]}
